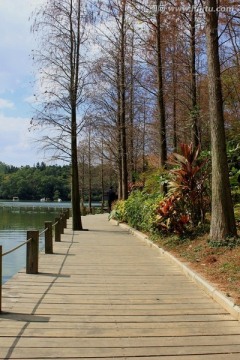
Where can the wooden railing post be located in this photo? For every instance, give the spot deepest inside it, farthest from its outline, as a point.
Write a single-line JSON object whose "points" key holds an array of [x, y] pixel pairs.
{"points": [[57, 230], [64, 220], [48, 238], [32, 252], [0, 279], [67, 213], [61, 224]]}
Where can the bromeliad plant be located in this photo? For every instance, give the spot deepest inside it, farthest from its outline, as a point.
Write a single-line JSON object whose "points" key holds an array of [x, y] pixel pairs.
{"points": [[187, 201]]}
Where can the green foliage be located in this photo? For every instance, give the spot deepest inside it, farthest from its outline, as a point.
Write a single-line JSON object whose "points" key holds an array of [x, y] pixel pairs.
{"points": [[2, 168], [56, 195], [183, 210], [149, 205], [237, 212], [119, 212], [229, 242], [154, 180], [7, 169], [34, 183], [138, 210], [233, 153], [229, 266], [133, 209]]}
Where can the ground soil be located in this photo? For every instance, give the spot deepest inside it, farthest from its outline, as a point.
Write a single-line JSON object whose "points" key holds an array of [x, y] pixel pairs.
{"points": [[219, 265]]}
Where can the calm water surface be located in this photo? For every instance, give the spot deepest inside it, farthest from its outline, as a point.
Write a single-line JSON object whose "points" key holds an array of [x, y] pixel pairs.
{"points": [[15, 219]]}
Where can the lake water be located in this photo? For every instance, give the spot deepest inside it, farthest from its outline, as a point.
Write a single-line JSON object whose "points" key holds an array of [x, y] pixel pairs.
{"points": [[15, 219]]}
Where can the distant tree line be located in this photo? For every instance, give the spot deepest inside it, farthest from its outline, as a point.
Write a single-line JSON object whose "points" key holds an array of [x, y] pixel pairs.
{"points": [[54, 181], [34, 183]]}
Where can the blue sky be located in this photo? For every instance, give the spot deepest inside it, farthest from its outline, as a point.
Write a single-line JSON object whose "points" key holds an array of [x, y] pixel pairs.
{"points": [[16, 76]]}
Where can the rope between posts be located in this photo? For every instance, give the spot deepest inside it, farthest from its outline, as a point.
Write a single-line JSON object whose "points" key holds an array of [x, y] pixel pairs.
{"points": [[45, 230], [55, 223], [17, 247]]}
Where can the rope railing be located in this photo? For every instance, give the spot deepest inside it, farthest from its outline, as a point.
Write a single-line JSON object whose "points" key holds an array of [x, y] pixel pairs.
{"points": [[43, 232], [24, 243], [17, 247], [32, 244]]}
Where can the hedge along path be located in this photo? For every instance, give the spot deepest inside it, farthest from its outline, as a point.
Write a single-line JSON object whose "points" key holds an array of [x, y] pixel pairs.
{"points": [[105, 294]]}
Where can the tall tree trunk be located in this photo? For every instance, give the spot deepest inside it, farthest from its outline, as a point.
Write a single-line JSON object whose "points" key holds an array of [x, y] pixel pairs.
{"points": [[82, 180], [222, 220], [89, 172], [119, 136], [74, 61], [102, 176], [131, 112], [194, 111], [174, 103], [160, 93], [76, 213], [123, 102], [144, 136]]}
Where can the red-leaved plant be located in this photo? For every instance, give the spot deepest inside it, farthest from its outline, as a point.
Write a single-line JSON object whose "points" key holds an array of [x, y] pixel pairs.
{"points": [[186, 203]]}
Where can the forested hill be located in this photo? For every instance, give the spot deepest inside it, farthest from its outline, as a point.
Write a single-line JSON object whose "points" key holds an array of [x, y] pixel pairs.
{"points": [[34, 183], [6, 169]]}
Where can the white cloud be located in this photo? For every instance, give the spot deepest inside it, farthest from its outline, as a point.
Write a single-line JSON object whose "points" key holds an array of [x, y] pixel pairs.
{"points": [[16, 42], [17, 125], [30, 99], [16, 146], [6, 104]]}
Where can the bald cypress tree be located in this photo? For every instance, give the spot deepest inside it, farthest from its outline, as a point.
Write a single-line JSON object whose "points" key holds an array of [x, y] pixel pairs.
{"points": [[222, 220], [60, 29]]}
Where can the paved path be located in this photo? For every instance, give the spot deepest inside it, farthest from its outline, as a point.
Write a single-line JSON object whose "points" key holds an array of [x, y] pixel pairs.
{"points": [[104, 294]]}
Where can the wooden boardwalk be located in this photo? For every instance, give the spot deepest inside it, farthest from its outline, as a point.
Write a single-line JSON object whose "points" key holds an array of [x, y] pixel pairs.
{"points": [[104, 294]]}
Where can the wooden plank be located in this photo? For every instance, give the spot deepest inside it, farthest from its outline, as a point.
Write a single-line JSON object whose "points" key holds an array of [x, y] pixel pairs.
{"points": [[131, 341], [94, 352], [132, 313], [47, 324], [96, 330], [104, 294]]}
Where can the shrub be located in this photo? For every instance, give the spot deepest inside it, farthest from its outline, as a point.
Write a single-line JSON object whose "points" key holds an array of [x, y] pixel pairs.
{"points": [[233, 153], [119, 212], [149, 210], [154, 180], [140, 210], [187, 202], [236, 196], [171, 216], [133, 207]]}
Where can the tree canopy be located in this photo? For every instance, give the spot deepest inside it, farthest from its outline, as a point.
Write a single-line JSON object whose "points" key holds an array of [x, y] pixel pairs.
{"points": [[34, 183]]}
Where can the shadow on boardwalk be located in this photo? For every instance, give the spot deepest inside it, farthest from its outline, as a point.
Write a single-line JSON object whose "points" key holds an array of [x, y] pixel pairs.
{"points": [[105, 294]]}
